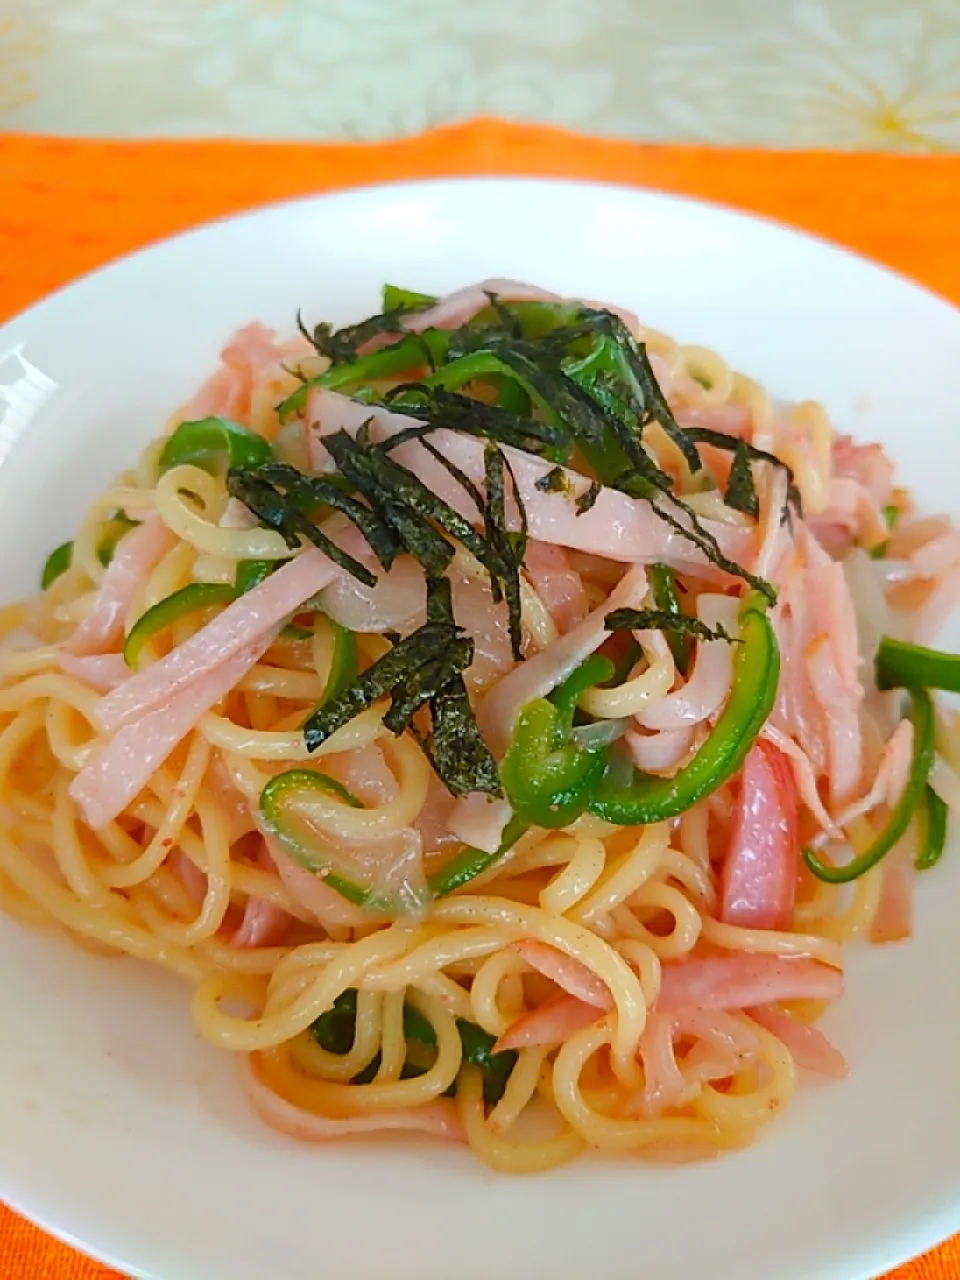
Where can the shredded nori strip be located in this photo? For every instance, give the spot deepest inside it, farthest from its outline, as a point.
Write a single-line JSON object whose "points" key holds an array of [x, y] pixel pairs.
{"points": [[554, 481], [456, 750], [506, 554], [384, 677], [366, 468], [588, 497], [277, 512], [311, 492], [457, 412], [733, 444], [741, 492], [664, 620], [340, 346]]}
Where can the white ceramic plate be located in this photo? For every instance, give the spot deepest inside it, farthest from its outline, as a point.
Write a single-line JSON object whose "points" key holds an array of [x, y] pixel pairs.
{"points": [[122, 1132]]}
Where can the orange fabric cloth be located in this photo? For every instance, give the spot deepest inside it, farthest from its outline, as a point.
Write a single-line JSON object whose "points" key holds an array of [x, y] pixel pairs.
{"points": [[68, 206]]}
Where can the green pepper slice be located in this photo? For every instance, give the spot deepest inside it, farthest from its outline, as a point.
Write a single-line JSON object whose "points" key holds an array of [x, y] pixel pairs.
{"points": [[913, 794], [933, 813], [548, 777], [214, 444], [646, 798], [57, 562], [899, 664], [665, 596], [189, 599]]}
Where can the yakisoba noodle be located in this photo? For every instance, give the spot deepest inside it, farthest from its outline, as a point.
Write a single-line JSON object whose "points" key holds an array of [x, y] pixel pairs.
{"points": [[588, 957]]}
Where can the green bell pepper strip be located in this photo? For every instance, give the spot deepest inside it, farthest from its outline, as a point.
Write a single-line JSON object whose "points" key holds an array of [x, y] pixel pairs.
{"points": [[548, 777], [398, 299], [933, 827], [344, 663], [214, 444], [404, 356], [190, 599], [182, 603], [304, 850], [913, 794], [665, 597], [646, 798], [113, 531], [57, 562], [913, 666], [468, 863]]}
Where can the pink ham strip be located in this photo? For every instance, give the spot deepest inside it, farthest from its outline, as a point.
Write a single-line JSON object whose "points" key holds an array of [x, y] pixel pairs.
{"points": [[841, 715], [762, 862], [101, 671], [804, 778], [740, 980], [118, 772], [137, 555], [263, 924], [438, 1119], [894, 917], [808, 1046], [616, 527], [891, 775], [242, 623], [556, 583], [709, 682], [479, 820], [543, 672], [458, 308], [549, 1023], [575, 978]]}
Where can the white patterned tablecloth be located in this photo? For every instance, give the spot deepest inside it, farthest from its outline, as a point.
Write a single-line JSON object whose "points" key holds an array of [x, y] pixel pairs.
{"points": [[788, 73]]}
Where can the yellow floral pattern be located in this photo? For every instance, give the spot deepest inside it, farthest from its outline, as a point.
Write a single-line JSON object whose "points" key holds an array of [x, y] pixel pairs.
{"points": [[22, 44], [856, 74]]}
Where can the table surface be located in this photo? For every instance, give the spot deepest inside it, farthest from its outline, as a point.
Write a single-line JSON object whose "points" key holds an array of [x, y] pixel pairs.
{"points": [[845, 73], [900, 210]]}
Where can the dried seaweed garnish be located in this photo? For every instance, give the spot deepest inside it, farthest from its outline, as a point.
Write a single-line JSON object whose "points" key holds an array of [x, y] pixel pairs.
{"points": [[456, 748], [440, 408], [452, 469], [733, 444], [663, 620], [741, 492], [553, 481], [507, 554], [387, 675], [310, 492], [278, 512], [589, 497], [426, 681], [384, 485], [342, 345]]}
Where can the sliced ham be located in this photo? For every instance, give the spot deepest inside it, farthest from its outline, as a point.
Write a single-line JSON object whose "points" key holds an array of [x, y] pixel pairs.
{"points": [[549, 1024], [241, 624], [740, 980], [137, 554], [807, 1045], [540, 674], [558, 585], [118, 772], [759, 878], [710, 679], [890, 778], [479, 820], [575, 978], [893, 920], [617, 526], [101, 671], [459, 307], [263, 923], [437, 1119]]}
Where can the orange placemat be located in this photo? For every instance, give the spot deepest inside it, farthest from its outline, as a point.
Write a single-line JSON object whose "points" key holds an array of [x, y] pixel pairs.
{"points": [[68, 206]]}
